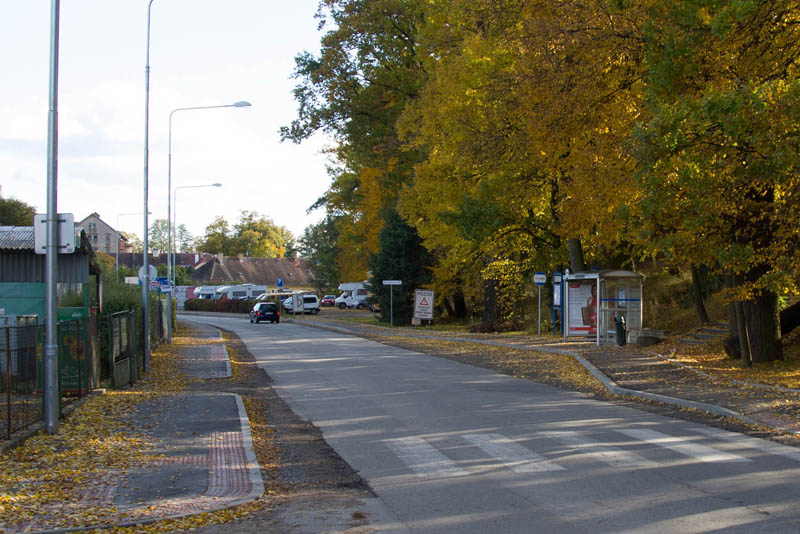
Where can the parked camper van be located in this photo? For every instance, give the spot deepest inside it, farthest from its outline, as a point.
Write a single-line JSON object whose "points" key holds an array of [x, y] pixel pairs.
{"points": [[240, 292], [354, 295], [205, 292]]}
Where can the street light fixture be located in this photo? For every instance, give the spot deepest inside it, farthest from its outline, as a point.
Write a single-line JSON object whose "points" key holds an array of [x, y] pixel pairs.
{"points": [[175, 223], [239, 104]]}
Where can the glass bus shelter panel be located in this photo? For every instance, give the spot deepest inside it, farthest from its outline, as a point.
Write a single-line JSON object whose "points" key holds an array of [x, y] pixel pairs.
{"points": [[620, 298]]}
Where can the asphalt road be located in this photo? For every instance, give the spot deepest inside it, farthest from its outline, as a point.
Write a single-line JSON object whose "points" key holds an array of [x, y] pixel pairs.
{"points": [[451, 448]]}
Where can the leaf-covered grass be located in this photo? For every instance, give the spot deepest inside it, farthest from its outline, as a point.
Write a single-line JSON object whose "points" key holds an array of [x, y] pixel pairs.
{"points": [[711, 358], [53, 479]]}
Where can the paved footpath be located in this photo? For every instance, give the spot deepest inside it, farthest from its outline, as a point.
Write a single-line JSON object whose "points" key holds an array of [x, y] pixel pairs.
{"points": [[208, 458]]}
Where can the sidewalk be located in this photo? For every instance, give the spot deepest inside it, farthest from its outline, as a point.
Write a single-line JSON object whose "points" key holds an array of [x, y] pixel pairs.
{"points": [[199, 455], [634, 372]]}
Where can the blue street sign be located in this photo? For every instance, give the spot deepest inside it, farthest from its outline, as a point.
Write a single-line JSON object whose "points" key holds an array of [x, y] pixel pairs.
{"points": [[279, 282]]}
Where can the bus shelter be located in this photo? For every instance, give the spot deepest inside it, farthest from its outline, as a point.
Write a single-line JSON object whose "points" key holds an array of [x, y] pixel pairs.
{"points": [[620, 297]]}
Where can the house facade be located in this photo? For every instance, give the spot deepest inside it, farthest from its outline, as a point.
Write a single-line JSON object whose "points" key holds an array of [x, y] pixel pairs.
{"points": [[102, 236]]}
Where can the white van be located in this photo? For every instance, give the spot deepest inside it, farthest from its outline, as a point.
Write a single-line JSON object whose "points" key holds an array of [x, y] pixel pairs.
{"points": [[310, 304]]}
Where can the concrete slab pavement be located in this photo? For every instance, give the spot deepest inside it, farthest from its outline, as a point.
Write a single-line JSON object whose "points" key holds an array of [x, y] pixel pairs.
{"points": [[206, 460]]}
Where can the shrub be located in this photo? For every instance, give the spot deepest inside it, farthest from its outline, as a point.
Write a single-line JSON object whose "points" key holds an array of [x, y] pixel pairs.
{"points": [[223, 305]]}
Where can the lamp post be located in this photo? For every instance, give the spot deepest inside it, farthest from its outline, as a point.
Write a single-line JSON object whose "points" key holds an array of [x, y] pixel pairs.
{"points": [[175, 222], [240, 104], [146, 280], [116, 230], [50, 359]]}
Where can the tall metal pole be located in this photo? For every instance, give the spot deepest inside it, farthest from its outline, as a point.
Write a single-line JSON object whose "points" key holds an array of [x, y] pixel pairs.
{"points": [[145, 263], [169, 230], [50, 362], [240, 104]]}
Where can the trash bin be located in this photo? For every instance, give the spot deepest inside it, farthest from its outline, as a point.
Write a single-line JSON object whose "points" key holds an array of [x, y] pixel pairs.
{"points": [[621, 330]]}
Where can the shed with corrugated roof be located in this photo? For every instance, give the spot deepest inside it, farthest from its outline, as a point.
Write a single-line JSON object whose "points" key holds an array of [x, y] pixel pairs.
{"points": [[22, 271]]}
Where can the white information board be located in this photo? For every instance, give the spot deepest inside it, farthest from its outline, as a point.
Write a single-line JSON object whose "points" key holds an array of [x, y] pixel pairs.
{"points": [[423, 304], [66, 233]]}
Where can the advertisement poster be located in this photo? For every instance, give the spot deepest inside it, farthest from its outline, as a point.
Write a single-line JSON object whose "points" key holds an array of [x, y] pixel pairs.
{"points": [[582, 308]]}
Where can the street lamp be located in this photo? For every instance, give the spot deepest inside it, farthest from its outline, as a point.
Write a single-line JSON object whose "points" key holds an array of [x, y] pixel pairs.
{"points": [[239, 104], [145, 266], [116, 230], [175, 222]]}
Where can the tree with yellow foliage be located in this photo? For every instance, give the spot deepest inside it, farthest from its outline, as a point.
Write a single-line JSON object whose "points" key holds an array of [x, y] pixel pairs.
{"points": [[366, 72], [719, 153]]}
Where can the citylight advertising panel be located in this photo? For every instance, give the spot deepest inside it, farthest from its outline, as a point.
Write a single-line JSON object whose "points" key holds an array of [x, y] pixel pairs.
{"points": [[582, 305]]}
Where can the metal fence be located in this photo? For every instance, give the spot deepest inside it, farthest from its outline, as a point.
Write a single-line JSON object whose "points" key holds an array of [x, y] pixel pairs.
{"points": [[22, 404], [91, 351], [124, 360]]}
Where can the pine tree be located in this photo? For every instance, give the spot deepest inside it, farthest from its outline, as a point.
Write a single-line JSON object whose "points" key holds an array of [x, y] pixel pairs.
{"points": [[400, 256]]}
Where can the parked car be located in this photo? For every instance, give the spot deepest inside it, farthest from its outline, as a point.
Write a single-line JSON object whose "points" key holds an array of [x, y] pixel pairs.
{"points": [[265, 311], [310, 304], [327, 300]]}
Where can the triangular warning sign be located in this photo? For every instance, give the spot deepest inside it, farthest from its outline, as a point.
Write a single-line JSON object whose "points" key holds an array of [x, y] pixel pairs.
{"points": [[424, 302]]}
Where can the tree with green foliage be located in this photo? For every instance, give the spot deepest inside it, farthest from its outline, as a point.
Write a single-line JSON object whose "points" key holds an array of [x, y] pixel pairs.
{"points": [[217, 238], [254, 235], [319, 245], [401, 256], [158, 236], [134, 242], [366, 72], [184, 240], [719, 154], [15, 212]]}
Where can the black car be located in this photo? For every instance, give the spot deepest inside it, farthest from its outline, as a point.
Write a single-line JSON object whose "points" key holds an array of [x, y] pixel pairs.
{"points": [[265, 311]]}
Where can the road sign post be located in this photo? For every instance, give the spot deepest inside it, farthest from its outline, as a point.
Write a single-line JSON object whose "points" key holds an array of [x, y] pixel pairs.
{"points": [[540, 279], [297, 304], [557, 304], [391, 284], [423, 305]]}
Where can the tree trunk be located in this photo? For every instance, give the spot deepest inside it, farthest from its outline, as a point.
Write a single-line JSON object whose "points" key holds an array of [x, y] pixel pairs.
{"points": [[575, 255], [733, 328], [763, 327], [460, 305], [448, 307], [790, 318], [742, 335], [490, 302], [697, 293]]}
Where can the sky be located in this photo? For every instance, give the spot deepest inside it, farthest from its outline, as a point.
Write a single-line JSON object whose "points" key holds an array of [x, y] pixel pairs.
{"points": [[202, 53]]}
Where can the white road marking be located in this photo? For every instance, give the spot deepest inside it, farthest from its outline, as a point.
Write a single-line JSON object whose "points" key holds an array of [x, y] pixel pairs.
{"points": [[753, 443], [424, 459], [512, 455], [608, 454], [682, 446]]}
